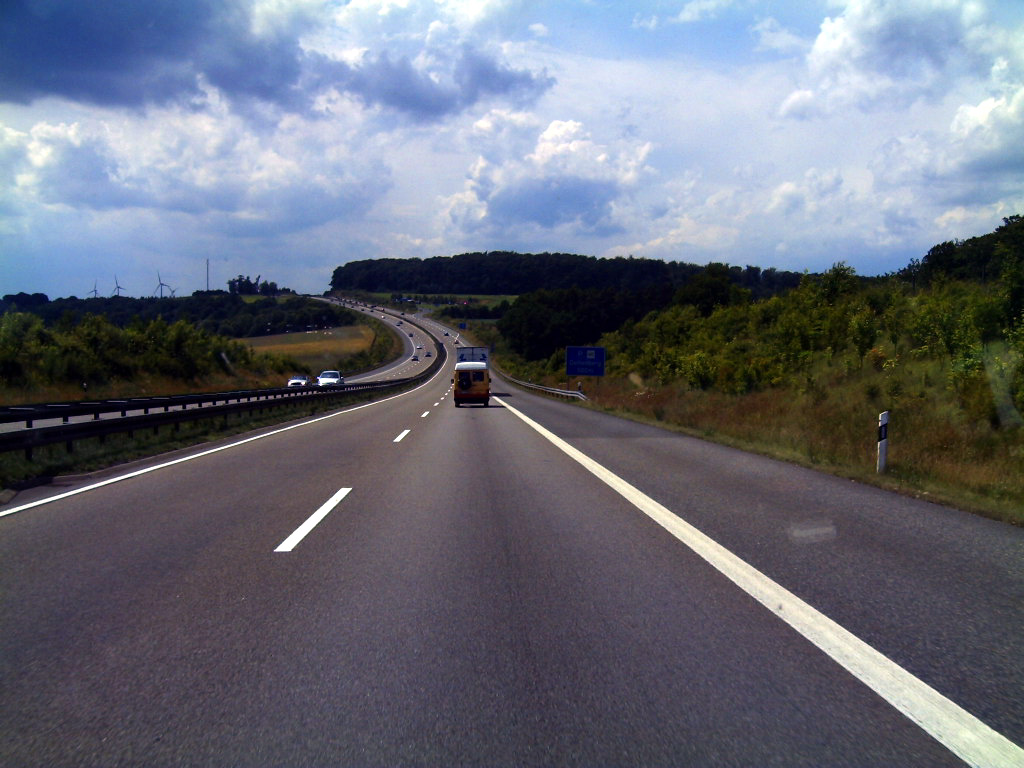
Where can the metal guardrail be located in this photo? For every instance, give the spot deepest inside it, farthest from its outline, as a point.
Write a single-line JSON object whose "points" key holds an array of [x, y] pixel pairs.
{"points": [[28, 440], [97, 408], [171, 410], [570, 393]]}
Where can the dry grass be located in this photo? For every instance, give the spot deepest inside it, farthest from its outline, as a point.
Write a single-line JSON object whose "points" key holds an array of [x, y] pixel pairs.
{"points": [[830, 423], [317, 350]]}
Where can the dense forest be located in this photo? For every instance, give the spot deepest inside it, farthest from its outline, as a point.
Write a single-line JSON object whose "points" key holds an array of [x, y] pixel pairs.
{"points": [[504, 272], [215, 312], [991, 257]]}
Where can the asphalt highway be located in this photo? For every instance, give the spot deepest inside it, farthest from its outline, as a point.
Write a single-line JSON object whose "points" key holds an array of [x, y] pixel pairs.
{"points": [[532, 583]]}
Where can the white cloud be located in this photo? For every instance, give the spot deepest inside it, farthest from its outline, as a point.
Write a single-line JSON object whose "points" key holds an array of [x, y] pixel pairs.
{"points": [[567, 180], [878, 54], [817, 190], [976, 162], [800, 104], [687, 238], [773, 37], [991, 133], [697, 10]]}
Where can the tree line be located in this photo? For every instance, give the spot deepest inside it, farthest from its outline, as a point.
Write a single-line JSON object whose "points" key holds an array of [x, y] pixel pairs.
{"points": [[96, 351], [505, 272], [986, 258], [215, 312], [244, 285], [962, 306]]}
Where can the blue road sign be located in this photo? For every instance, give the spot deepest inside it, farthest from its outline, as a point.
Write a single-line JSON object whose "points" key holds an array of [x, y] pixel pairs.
{"points": [[584, 361]]}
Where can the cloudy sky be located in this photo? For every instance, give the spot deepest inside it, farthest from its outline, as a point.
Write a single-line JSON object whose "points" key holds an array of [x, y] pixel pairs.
{"points": [[285, 137]]}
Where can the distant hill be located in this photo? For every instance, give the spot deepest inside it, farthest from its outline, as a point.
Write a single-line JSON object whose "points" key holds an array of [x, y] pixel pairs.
{"points": [[985, 258]]}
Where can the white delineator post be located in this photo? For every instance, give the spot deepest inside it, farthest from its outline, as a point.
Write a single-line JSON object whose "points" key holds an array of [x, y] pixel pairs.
{"points": [[883, 441]]}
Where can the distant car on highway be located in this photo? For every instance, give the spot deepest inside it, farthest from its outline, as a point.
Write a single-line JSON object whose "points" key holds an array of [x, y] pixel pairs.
{"points": [[299, 380], [329, 379], [428, 354], [415, 358]]}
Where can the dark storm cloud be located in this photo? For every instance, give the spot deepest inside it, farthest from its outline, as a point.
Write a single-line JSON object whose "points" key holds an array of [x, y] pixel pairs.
{"points": [[479, 76], [397, 84], [131, 54], [551, 202], [104, 52]]}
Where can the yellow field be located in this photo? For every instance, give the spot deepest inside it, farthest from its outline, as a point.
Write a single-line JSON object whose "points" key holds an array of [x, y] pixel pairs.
{"points": [[318, 350]]}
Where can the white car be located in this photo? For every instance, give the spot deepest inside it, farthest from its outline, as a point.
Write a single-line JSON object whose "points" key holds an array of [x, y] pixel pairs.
{"points": [[329, 379], [299, 381]]}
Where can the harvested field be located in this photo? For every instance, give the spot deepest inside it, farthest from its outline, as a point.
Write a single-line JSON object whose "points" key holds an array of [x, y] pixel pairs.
{"points": [[317, 350]]}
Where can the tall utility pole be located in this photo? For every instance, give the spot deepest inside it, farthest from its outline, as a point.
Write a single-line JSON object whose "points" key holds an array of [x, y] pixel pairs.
{"points": [[207, 275]]}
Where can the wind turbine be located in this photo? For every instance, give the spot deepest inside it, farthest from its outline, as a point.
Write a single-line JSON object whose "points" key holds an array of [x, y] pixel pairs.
{"points": [[95, 293], [117, 287], [160, 285]]}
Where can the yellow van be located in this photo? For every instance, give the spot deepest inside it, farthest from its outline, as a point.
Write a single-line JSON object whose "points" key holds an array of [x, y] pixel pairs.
{"points": [[472, 383]]}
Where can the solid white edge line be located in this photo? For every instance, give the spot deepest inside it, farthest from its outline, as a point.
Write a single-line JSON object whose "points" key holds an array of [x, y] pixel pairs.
{"points": [[401, 435], [311, 522], [952, 726], [201, 454]]}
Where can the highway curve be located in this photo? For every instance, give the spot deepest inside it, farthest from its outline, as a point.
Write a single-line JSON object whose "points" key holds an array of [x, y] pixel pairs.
{"points": [[407, 583]]}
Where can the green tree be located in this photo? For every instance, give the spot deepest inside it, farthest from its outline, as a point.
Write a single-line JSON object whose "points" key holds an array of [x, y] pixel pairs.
{"points": [[863, 331]]}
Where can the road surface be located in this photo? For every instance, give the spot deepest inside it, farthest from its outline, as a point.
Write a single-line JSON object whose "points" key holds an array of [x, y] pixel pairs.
{"points": [[407, 583]]}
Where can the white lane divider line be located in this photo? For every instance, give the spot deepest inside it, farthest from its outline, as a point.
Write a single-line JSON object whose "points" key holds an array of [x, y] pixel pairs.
{"points": [[952, 726], [425, 413], [401, 435], [300, 533]]}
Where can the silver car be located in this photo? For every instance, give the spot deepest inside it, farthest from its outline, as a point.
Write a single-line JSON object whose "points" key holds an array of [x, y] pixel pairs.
{"points": [[330, 379]]}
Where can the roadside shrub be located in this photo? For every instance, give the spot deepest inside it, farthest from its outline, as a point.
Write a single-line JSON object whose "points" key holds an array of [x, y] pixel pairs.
{"points": [[876, 358]]}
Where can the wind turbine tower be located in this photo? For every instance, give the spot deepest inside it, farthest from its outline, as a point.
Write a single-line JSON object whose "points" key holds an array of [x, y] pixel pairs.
{"points": [[160, 285]]}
